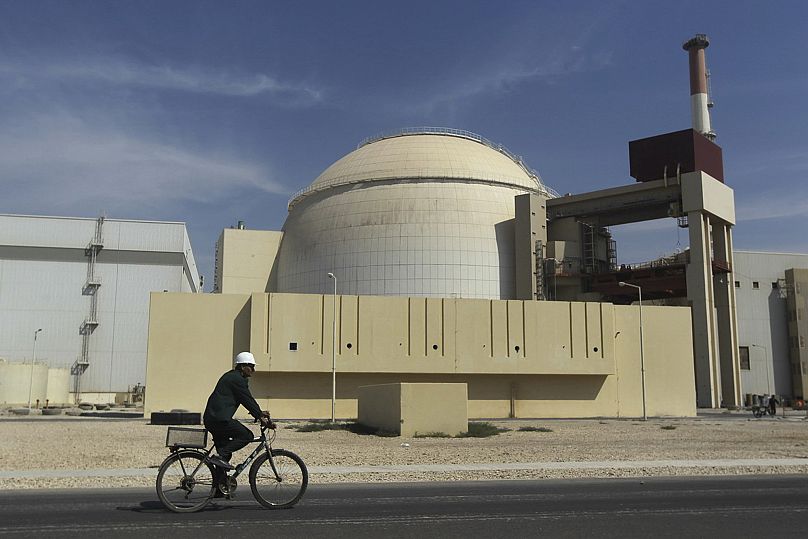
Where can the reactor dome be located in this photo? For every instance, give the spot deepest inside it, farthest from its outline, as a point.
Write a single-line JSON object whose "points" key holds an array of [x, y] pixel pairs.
{"points": [[421, 212]]}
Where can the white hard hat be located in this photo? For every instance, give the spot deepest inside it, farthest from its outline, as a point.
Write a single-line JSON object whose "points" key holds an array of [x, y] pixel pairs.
{"points": [[245, 358]]}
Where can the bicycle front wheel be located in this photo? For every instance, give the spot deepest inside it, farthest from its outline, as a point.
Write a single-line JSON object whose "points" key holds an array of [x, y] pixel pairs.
{"points": [[185, 482], [283, 489]]}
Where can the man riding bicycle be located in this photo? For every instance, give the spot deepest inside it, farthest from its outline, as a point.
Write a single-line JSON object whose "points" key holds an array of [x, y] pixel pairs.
{"points": [[190, 477], [232, 390]]}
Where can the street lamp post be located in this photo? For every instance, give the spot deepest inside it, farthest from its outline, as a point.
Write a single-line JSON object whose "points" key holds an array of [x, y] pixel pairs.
{"points": [[33, 359], [642, 350], [334, 352]]}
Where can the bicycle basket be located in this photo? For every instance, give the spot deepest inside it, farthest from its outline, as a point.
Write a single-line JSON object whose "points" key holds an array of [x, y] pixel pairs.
{"points": [[186, 437]]}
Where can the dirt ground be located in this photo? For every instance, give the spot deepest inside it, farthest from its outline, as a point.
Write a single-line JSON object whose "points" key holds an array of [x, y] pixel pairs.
{"points": [[88, 444]]}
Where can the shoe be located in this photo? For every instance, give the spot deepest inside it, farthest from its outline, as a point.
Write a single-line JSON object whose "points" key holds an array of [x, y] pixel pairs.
{"points": [[221, 463]]}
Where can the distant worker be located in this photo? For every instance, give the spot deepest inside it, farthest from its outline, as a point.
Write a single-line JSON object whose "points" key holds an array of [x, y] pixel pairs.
{"points": [[232, 390], [773, 405]]}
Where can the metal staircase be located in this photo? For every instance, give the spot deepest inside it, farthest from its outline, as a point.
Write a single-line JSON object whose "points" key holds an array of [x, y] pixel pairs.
{"points": [[588, 249], [611, 252], [538, 255], [90, 323]]}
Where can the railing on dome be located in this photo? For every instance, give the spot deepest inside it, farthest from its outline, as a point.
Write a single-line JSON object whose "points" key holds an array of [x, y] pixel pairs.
{"points": [[429, 131], [461, 133]]}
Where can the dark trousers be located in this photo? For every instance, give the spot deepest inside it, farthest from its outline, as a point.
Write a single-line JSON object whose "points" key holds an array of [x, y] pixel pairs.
{"points": [[229, 436]]}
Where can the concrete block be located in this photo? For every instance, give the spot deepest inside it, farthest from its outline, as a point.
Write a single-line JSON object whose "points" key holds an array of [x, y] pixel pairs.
{"points": [[409, 408]]}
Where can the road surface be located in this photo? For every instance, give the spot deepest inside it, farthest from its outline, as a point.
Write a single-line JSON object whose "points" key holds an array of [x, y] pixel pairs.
{"points": [[749, 506]]}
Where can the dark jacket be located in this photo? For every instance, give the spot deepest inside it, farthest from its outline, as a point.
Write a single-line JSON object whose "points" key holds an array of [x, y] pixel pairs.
{"points": [[231, 390]]}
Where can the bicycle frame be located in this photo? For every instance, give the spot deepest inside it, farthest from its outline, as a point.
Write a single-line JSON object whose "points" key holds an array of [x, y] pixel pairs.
{"points": [[179, 493], [263, 442]]}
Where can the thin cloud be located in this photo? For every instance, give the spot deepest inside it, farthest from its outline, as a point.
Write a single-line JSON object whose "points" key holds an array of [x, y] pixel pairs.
{"points": [[772, 206], [752, 166], [501, 80], [781, 199], [517, 62], [124, 72], [61, 163]]}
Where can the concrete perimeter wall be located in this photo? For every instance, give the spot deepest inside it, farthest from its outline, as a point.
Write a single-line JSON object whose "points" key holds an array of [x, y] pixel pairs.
{"points": [[521, 358]]}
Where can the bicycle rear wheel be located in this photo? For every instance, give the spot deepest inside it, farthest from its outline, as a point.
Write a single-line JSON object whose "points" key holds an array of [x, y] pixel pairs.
{"points": [[185, 482], [283, 490]]}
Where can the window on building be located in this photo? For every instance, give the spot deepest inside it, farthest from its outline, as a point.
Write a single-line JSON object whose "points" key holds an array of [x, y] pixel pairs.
{"points": [[737, 284], [774, 285], [755, 285], [744, 353]]}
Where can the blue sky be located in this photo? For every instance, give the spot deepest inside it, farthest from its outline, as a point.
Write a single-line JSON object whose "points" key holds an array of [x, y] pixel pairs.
{"points": [[214, 112]]}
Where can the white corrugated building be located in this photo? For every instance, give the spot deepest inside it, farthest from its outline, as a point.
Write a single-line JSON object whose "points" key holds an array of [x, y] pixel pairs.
{"points": [[86, 282], [764, 334]]}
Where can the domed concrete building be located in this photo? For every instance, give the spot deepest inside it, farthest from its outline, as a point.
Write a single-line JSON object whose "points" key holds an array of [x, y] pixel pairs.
{"points": [[454, 264], [422, 212]]}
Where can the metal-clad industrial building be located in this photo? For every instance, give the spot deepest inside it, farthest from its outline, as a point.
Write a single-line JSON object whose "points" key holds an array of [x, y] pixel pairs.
{"points": [[86, 283], [761, 293]]}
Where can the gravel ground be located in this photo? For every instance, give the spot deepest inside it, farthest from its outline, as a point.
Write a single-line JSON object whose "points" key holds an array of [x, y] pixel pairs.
{"points": [[85, 444]]}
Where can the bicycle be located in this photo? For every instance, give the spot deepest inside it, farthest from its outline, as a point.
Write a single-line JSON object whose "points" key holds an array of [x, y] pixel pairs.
{"points": [[187, 480]]}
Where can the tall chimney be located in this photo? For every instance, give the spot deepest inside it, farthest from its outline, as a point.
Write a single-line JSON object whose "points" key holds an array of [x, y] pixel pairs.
{"points": [[699, 100]]}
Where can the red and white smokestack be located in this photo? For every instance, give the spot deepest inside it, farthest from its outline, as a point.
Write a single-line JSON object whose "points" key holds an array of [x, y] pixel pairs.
{"points": [[699, 100]]}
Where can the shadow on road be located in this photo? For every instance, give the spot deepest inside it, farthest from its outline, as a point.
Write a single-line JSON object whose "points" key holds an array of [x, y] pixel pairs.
{"points": [[155, 506]]}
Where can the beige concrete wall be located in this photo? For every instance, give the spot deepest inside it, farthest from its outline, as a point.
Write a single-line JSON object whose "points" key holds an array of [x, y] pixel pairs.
{"points": [[537, 359], [247, 258], [434, 408], [669, 369], [378, 334], [411, 408], [530, 226], [702, 192], [797, 301], [193, 339]]}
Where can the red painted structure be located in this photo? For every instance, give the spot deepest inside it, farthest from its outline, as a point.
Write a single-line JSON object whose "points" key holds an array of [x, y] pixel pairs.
{"points": [[660, 156]]}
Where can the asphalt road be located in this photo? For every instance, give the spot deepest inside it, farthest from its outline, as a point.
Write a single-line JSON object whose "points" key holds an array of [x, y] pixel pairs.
{"points": [[749, 506]]}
